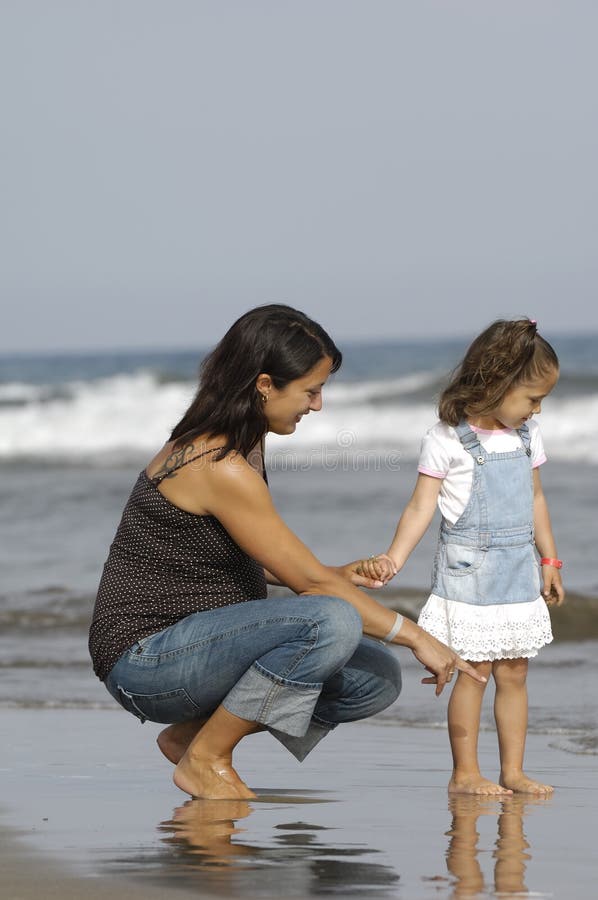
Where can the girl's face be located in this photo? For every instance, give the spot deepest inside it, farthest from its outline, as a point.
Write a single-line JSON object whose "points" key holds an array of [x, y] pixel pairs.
{"points": [[285, 406], [521, 402]]}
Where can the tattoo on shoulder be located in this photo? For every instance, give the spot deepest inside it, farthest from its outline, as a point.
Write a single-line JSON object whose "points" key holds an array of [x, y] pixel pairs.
{"points": [[173, 462]]}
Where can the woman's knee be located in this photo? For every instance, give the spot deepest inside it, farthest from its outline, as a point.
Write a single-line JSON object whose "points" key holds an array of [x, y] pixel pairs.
{"points": [[394, 677], [388, 672], [379, 670], [339, 624], [368, 684]]}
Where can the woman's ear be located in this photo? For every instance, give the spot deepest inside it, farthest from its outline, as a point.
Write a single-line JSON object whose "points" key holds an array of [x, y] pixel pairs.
{"points": [[263, 383]]}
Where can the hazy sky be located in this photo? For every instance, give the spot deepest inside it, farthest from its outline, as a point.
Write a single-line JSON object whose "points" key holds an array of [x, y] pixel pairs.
{"points": [[395, 169]]}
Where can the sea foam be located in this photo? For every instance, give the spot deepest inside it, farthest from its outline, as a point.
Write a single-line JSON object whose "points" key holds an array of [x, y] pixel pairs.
{"points": [[128, 416]]}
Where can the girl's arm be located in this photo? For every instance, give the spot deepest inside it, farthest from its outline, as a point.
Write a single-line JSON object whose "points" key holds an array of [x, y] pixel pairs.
{"points": [[415, 520], [413, 524], [240, 500], [552, 588]]}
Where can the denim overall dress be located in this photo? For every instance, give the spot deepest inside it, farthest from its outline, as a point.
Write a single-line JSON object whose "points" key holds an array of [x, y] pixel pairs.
{"points": [[486, 601]]}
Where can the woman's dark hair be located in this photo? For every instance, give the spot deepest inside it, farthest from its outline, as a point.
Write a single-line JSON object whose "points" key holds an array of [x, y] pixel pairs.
{"points": [[274, 339], [503, 356]]}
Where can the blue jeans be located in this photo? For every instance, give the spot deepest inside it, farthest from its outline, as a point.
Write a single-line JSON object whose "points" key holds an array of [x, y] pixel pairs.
{"points": [[298, 666]]}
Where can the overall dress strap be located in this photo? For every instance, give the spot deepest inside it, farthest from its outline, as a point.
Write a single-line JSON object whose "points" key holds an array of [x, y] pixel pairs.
{"points": [[471, 442], [476, 510], [526, 440]]}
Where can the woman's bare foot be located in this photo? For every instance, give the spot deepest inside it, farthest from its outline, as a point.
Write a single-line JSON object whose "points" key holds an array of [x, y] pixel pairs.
{"points": [[174, 740], [476, 784], [519, 783], [210, 778]]}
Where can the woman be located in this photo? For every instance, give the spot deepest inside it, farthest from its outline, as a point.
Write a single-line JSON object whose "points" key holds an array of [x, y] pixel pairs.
{"points": [[182, 630]]}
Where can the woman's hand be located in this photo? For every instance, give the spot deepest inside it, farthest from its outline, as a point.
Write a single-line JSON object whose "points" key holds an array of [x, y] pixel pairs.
{"points": [[440, 660], [355, 576]]}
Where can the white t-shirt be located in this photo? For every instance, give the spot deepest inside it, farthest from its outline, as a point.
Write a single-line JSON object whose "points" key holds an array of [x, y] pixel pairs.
{"points": [[444, 456]]}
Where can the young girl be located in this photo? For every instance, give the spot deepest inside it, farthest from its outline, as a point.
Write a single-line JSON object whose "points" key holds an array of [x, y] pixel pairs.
{"points": [[480, 464]]}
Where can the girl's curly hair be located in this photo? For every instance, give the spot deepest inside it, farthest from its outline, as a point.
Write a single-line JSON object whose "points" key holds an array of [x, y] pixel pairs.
{"points": [[506, 354]]}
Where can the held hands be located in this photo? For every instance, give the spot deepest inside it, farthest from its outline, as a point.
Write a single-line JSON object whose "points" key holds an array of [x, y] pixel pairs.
{"points": [[379, 569], [354, 573], [374, 572]]}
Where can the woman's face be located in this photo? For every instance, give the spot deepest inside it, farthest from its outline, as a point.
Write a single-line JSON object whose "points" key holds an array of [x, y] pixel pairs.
{"points": [[285, 407]]}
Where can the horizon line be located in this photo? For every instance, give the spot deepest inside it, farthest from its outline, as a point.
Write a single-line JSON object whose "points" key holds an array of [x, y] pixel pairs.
{"points": [[104, 349]]}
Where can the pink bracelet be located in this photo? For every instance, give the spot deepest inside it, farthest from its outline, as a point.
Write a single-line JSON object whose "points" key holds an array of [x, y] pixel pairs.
{"points": [[548, 561]]}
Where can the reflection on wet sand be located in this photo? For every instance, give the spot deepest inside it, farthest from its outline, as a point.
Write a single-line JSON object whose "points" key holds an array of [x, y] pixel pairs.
{"points": [[293, 859], [204, 828], [510, 849]]}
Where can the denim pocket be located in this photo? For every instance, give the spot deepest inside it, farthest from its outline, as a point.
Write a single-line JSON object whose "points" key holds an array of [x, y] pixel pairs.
{"points": [[166, 707], [461, 559]]}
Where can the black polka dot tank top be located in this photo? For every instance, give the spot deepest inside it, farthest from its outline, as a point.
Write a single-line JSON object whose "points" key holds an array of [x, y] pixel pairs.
{"points": [[164, 564]]}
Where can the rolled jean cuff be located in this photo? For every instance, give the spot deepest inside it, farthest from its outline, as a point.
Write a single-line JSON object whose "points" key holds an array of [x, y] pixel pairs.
{"points": [[260, 696], [301, 746]]}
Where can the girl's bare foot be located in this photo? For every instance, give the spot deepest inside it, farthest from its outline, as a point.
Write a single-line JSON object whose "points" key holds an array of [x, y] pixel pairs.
{"points": [[519, 783], [476, 784], [174, 740], [210, 778]]}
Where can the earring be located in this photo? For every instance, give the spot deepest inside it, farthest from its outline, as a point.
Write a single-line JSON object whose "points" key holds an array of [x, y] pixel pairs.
{"points": [[264, 398]]}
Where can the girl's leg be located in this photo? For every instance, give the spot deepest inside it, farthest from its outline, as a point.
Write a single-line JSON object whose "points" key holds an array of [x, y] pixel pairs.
{"points": [[510, 713], [510, 853], [464, 712], [462, 857]]}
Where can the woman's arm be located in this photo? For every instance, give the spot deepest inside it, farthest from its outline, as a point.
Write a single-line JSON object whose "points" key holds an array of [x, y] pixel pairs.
{"points": [[240, 500], [272, 579], [552, 588], [347, 571]]}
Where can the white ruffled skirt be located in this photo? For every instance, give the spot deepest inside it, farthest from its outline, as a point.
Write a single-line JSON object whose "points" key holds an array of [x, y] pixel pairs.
{"points": [[479, 633]]}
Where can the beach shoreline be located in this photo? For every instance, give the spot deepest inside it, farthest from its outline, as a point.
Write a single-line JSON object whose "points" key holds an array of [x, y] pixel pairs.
{"points": [[94, 811]]}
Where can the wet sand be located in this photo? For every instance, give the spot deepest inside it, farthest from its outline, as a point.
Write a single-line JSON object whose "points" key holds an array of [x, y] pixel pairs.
{"points": [[89, 811]]}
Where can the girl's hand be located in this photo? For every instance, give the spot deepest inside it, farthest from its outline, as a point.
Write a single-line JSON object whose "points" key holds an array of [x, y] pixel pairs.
{"points": [[552, 590], [379, 568], [354, 573]]}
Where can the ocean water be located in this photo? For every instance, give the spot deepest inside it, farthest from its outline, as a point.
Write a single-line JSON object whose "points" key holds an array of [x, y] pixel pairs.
{"points": [[75, 430]]}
